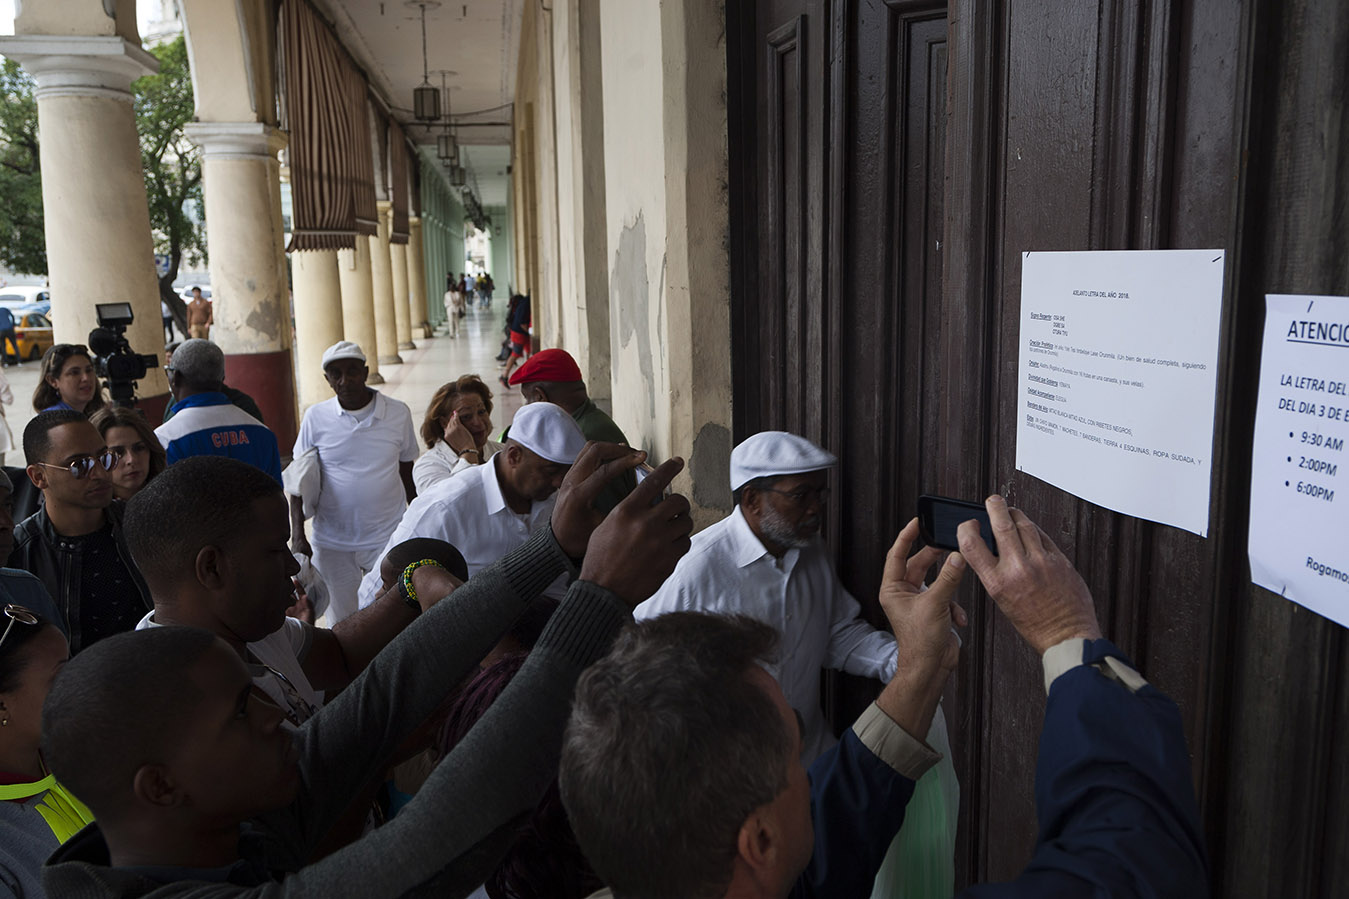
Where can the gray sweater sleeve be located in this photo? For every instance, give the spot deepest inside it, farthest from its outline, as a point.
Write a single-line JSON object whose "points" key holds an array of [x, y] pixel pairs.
{"points": [[341, 747], [500, 769]]}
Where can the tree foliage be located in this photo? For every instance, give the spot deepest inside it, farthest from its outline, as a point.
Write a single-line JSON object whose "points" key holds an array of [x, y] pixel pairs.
{"points": [[172, 164], [23, 247]]}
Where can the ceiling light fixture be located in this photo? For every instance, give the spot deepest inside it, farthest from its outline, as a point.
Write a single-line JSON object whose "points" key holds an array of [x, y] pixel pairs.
{"points": [[425, 99], [446, 146]]}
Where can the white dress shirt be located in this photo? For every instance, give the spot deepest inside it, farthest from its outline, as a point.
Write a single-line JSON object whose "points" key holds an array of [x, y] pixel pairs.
{"points": [[729, 570], [363, 495], [468, 511], [440, 462]]}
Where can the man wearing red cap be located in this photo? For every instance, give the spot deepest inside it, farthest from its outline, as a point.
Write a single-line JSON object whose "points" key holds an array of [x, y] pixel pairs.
{"points": [[552, 376]]}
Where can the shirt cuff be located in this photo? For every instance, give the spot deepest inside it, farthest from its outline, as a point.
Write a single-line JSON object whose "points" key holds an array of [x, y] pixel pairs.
{"points": [[894, 745], [1063, 657]]}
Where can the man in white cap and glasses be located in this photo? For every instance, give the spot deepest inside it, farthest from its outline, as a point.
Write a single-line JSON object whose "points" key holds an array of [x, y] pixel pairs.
{"points": [[366, 444], [766, 560], [495, 508]]}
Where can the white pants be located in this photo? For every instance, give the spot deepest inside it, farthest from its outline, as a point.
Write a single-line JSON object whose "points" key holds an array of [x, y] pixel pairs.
{"points": [[342, 570]]}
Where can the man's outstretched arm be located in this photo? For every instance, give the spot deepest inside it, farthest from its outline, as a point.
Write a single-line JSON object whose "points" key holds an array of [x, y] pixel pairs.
{"points": [[1115, 802]]}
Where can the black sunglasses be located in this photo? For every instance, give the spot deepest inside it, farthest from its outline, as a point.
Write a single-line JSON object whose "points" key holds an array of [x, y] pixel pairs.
{"points": [[82, 467]]}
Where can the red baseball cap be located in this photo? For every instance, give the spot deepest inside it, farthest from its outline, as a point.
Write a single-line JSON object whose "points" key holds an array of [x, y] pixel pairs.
{"points": [[547, 365]]}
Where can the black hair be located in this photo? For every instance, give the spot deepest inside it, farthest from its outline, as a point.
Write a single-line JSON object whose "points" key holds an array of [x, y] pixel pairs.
{"points": [[14, 659], [200, 501], [37, 440], [118, 705]]}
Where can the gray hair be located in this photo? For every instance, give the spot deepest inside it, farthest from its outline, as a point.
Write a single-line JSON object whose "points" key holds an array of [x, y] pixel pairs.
{"points": [[669, 749], [200, 362]]}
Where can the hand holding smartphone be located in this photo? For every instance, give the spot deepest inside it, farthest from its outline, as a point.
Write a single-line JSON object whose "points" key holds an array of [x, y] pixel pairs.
{"points": [[939, 517]]}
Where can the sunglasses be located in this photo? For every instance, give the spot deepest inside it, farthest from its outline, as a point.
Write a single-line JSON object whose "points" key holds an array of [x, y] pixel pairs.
{"points": [[17, 613], [64, 350], [83, 466]]}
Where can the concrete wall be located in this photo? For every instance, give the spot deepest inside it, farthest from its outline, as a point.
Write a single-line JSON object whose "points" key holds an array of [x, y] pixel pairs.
{"points": [[583, 231], [640, 216]]}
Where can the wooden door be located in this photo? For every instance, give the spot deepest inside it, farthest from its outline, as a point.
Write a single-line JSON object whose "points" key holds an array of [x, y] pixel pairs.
{"points": [[890, 162]]}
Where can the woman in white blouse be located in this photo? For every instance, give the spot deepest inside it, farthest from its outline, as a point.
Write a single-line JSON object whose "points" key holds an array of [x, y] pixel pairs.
{"points": [[455, 432]]}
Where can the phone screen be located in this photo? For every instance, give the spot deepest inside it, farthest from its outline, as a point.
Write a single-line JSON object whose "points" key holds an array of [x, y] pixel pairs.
{"points": [[939, 517]]}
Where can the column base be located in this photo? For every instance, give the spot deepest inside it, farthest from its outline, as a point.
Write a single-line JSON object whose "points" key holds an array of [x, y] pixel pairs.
{"points": [[395, 359], [407, 345], [375, 378]]}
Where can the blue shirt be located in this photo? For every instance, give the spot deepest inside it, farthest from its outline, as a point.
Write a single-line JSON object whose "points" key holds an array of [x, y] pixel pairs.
{"points": [[208, 424], [6, 318]]}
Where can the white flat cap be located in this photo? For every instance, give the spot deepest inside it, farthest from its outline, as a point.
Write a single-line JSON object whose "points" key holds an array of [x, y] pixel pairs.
{"points": [[343, 349], [548, 431], [774, 453]]}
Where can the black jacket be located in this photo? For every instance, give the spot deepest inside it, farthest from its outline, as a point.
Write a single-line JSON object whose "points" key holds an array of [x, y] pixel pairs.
{"points": [[56, 562]]}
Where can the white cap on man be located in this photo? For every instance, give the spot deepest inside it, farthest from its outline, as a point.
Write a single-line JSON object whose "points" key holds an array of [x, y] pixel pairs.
{"points": [[547, 430], [343, 349], [770, 454]]}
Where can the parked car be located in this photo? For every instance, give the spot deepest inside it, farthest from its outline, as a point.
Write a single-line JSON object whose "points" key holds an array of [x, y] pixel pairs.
{"points": [[34, 331], [24, 295]]}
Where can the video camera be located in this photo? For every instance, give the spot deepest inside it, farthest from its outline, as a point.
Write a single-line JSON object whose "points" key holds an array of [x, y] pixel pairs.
{"points": [[113, 357]]}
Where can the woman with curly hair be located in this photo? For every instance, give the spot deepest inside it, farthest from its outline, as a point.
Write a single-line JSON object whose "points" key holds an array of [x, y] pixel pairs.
{"points": [[455, 432], [67, 381], [140, 456]]}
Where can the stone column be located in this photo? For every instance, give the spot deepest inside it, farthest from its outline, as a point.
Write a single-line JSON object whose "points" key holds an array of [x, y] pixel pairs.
{"points": [[417, 308], [358, 303], [398, 267], [244, 233], [96, 218], [318, 319], [381, 279]]}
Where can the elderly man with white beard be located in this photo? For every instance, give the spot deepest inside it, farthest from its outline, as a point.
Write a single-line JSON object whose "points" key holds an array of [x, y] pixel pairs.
{"points": [[766, 560]]}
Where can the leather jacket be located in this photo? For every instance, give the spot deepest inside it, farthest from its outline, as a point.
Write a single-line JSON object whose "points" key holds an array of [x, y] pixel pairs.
{"points": [[55, 561]]}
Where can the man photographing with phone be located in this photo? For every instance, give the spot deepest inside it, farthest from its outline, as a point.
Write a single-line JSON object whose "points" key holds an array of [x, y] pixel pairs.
{"points": [[1114, 799]]}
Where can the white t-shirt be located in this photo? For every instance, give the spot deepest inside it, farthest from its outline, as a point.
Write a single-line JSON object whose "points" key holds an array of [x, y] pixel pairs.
{"points": [[278, 670], [363, 496], [439, 463], [469, 512]]}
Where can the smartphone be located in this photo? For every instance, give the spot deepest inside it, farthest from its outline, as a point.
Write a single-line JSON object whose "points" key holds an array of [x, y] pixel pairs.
{"points": [[642, 471], [939, 517]]}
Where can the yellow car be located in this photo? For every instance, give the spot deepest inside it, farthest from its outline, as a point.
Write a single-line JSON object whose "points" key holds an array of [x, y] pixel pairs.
{"points": [[34, 332]]}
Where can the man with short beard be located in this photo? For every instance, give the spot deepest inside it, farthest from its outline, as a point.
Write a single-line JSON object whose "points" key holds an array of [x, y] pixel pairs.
{"points": [[766, 560]]}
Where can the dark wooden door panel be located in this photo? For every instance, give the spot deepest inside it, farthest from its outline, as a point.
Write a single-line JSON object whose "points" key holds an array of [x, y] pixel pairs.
{"points": [[891, 160]]}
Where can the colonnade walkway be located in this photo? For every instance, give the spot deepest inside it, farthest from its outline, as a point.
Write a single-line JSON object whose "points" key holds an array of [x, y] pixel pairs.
{"points": [[435, 360]]}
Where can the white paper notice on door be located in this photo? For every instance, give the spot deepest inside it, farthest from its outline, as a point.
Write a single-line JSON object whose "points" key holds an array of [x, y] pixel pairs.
{"points": [[1116, 383], [1299, 532]]}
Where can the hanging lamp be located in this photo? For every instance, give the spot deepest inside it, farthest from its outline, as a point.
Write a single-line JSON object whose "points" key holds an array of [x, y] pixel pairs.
{"points": [[446, 146], [425, 98]]}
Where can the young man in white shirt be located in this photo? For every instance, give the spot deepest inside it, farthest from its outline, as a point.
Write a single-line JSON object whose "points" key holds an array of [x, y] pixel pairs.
{"points": [[366, 446], [210, 536], [490, 511]]}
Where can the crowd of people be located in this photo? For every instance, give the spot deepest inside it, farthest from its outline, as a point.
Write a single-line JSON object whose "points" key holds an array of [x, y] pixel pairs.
{"points": [[449, 661]]}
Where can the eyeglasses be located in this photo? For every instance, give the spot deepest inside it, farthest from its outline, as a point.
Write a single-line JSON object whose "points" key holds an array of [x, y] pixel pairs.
{"points": [[63, 351], [17, 613], [301, 709], [801, 498], [82, 467]]}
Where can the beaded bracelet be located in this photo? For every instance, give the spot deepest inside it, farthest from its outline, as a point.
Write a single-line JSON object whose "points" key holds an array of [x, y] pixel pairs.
{"points": [[405, 584]]}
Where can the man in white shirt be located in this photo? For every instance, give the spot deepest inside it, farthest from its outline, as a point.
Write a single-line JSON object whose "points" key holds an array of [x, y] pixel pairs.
{"points": [[366, 446], [487, 512], [766, 560]]}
